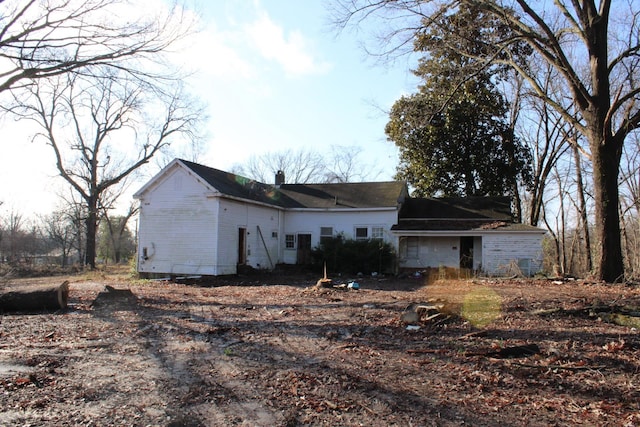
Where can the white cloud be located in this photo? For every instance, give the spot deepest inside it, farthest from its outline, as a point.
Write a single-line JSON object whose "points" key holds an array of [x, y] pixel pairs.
{"points": [[234, 49], [213, 52], [291, 51]]}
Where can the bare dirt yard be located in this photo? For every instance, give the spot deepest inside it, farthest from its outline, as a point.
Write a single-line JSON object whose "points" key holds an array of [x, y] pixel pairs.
{"points": [[275, 350]]}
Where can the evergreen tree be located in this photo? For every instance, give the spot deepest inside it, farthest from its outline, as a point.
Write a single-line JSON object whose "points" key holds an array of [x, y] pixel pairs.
{"points": [[454, 135]]}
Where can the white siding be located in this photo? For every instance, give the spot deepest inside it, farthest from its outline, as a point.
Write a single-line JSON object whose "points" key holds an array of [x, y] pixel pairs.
{"points": [[264, 237], [494, 253], [432, 252], [289, 256], [505, 254], [235, 215], [342, 222], [232, 216], [177, 227]]}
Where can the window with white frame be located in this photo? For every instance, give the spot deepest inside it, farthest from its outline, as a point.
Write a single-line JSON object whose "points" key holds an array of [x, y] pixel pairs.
{"points": [[326, 233], [377, 232], [290, 241], [362, 233], [411, 247]]}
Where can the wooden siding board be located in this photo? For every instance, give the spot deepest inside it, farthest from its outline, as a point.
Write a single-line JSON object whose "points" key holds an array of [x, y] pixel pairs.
{"points": [[502, 252], [232, 217]]}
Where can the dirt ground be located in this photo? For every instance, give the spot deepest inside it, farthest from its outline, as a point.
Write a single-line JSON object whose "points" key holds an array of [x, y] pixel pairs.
{"points": [[271, 350]]}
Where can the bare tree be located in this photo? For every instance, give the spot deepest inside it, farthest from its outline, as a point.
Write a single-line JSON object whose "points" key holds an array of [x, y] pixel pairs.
{"points": [[299, 167], [60, 231], [581, 207], [13, 236], [116, 236], [103, 129], [593, 50], [345, 164], [341, 164], [41, 39], [544, 132], [22, 239], [75, 213]]}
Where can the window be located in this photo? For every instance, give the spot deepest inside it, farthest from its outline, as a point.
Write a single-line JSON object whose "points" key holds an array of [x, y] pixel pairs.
{"points": [[362, 233], [377, 232], [289, 241], [412, 247], [326, 233], [274, 234]]}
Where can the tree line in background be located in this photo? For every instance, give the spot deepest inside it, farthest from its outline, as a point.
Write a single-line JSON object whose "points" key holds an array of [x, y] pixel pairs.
{"points": [[59, 239]]}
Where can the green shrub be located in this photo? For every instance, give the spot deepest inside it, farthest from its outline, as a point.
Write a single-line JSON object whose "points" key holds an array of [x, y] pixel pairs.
{"points": [[355, 256]]}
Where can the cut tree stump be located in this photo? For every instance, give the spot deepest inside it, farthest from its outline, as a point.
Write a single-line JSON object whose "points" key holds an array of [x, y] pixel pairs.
{"points": [[325, 282], [34, 297]]}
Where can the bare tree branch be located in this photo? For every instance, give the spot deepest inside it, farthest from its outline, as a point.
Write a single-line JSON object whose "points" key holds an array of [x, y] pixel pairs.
{"points": [[47, 39]]}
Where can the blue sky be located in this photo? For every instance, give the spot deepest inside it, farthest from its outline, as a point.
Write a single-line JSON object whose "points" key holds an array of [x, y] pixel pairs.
{"points": [[291, 81], [275, 75]]}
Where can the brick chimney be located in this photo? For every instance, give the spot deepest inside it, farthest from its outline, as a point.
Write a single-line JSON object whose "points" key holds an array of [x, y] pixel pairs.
{"points": [[279, 178]]}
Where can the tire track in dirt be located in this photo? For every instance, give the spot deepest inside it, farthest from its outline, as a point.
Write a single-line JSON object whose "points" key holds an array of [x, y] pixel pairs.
{"points": [[141, 378], [202, 376]]}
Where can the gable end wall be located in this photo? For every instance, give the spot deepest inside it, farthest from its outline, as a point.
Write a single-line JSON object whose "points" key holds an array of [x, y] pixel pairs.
{"points": [[177, 226]]}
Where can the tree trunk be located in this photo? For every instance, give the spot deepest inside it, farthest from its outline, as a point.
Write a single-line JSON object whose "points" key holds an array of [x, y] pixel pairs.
{"points": [[34, 298], [92, 227], [583, 208], [606, 164], [606, 149]]}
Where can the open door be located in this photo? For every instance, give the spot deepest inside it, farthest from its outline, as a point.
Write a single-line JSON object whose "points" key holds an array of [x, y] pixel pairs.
{"points": [[466, 252], [242, 246]]}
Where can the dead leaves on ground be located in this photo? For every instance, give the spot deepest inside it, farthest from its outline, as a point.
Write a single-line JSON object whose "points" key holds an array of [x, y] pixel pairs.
{"points": [[482, 354]]}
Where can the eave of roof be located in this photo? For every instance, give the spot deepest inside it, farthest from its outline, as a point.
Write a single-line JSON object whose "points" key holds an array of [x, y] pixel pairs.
{"points": [[462, 226]]}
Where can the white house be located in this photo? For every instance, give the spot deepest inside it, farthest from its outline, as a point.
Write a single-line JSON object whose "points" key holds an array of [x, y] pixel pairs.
{"points": [[196, 220]]}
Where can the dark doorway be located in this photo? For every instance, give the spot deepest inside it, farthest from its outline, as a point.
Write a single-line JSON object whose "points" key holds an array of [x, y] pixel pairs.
{"points": [[304, 249], [242, 246], [466, 252]]}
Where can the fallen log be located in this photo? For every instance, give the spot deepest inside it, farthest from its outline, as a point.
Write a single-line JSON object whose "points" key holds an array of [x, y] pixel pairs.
{"points": [[34, 297]]}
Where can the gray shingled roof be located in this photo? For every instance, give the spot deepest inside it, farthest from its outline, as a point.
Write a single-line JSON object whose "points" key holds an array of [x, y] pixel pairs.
{"points": [[338, 195], [346, 195], [458, 208], [458, 214]]}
